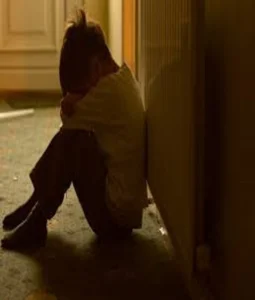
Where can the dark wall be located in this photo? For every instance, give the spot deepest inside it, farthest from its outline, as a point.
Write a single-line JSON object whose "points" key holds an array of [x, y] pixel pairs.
{"points": [[230, 146]]}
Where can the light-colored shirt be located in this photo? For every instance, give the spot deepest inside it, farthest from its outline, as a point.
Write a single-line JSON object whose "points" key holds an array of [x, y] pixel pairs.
{"points": [[114, 111]]}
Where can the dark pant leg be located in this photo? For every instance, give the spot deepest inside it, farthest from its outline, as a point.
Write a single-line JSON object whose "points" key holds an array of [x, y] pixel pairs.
{"points": [[52, 175], [90, 185]]}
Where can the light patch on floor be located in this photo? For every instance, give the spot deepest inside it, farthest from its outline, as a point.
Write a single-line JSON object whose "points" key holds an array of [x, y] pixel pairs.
{"points": [[16, 114]]}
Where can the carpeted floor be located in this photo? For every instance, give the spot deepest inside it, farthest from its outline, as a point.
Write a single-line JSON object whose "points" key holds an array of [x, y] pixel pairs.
{"points": [[73, 265]]}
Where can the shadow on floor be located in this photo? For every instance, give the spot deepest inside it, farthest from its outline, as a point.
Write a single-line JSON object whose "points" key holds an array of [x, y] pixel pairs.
{"points": [[107, 271]]}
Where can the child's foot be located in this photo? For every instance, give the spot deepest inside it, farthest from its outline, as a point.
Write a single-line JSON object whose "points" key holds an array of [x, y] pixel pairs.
{"points": [[31, 234], [27, 236], [15, 218]]}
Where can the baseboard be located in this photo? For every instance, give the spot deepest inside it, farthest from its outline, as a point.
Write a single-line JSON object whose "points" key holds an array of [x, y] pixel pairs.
{"points": [[31, 99], [29, 93]]}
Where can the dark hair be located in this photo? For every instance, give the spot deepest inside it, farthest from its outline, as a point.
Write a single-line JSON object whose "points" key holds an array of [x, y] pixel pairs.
{"points": [[82, 41]]}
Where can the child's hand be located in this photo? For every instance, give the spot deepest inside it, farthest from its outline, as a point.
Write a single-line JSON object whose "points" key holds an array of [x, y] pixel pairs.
{"points": [[68, 104], [67, 107]]}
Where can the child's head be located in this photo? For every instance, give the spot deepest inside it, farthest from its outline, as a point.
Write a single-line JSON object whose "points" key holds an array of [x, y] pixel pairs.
{"points": [[83, 44]]}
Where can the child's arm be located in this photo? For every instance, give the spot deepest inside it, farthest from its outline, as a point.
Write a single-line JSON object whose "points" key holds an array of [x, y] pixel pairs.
{"points": [[68, 103]]}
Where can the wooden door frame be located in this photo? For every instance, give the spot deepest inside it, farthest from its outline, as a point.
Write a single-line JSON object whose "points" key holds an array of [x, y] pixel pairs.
{"points": [[129, 33]]}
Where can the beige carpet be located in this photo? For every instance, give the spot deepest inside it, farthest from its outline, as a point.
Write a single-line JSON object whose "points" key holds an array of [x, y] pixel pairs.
{"points": [[74, 266]]}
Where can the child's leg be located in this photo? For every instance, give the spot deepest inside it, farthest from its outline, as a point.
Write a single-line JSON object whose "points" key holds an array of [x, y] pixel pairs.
{"points": [[90, 185], [51, 178], [54, 162]]}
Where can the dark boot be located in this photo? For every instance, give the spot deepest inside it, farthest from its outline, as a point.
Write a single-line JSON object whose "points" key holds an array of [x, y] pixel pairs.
{"points": [[31, 234], [18, 216]]}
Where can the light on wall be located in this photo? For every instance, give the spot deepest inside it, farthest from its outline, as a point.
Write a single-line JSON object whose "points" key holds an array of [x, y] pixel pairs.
{"points": [[115, 29]]}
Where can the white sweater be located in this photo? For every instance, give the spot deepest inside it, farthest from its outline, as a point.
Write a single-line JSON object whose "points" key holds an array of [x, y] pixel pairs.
{"points": [[115, 112]]}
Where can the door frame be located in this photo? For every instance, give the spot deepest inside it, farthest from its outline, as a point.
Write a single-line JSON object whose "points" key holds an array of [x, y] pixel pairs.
{"points": [[129, 33]]}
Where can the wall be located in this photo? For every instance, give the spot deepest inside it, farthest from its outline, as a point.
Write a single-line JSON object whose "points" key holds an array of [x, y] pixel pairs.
{"points": [[99, 11], [115, 30], [167, 72], [230, 74]]}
